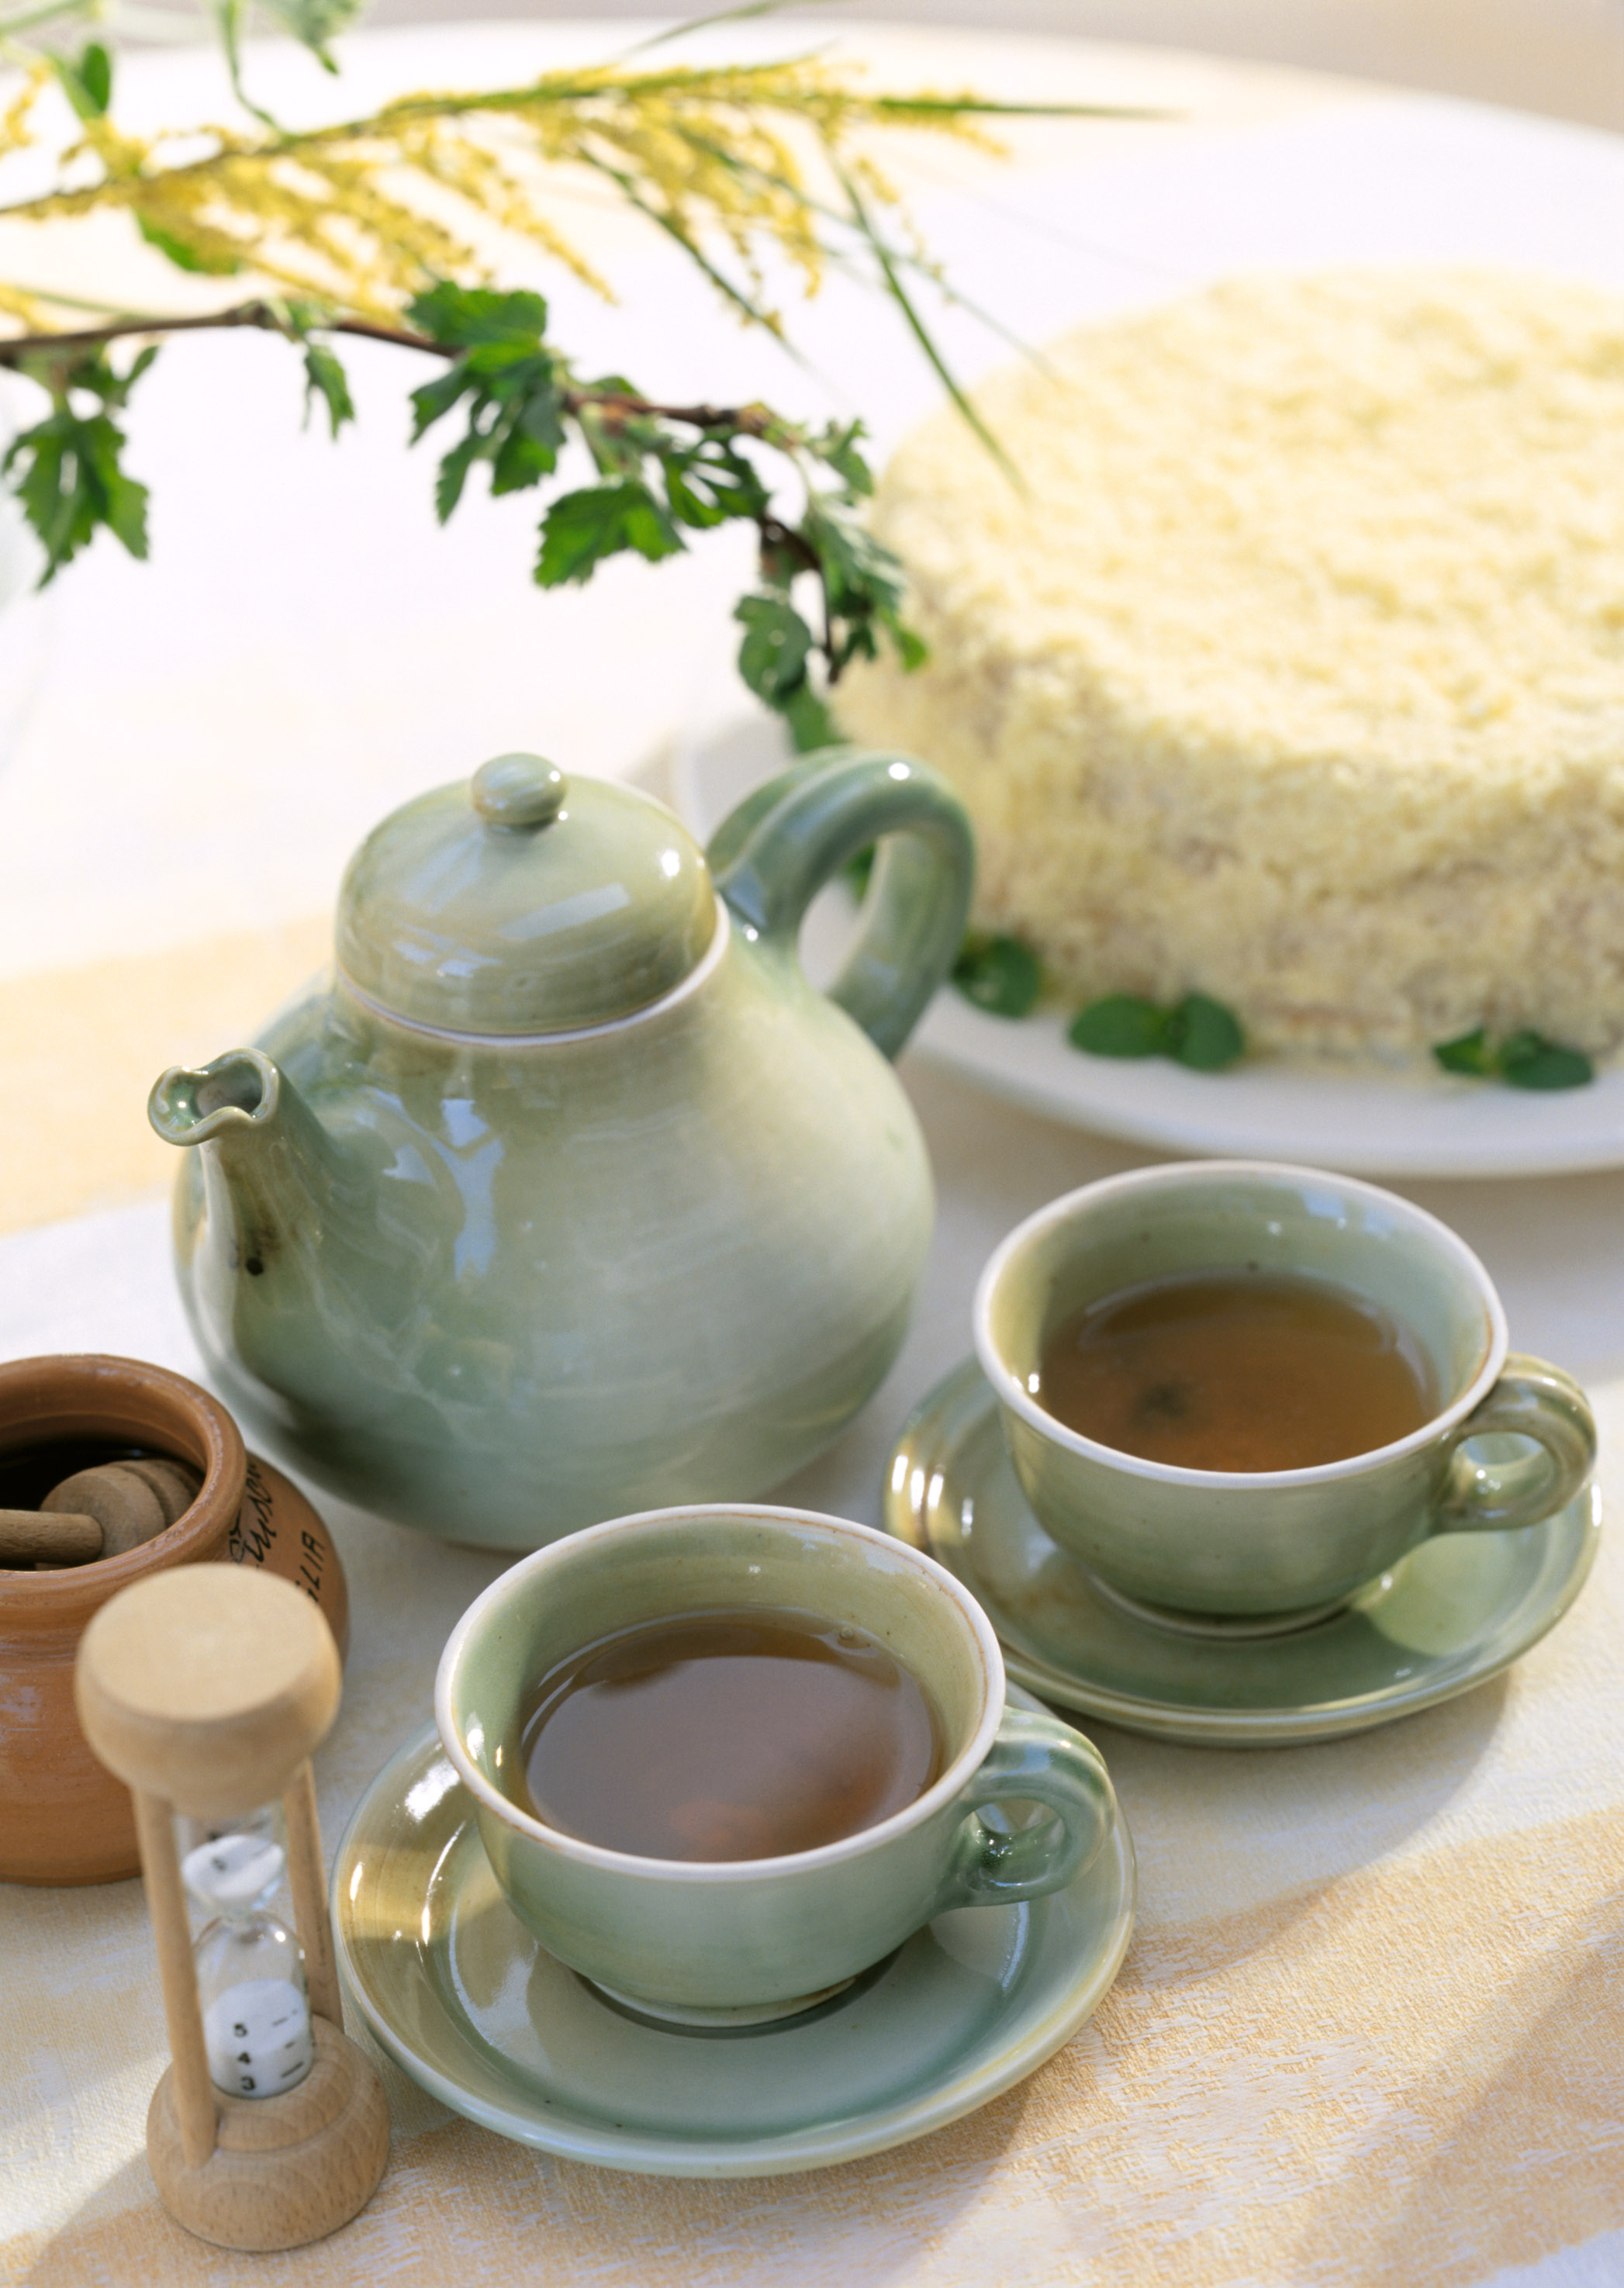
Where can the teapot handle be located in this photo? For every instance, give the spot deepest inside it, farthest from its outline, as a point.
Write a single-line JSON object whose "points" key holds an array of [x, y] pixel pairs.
{"points": [[773, 854]]}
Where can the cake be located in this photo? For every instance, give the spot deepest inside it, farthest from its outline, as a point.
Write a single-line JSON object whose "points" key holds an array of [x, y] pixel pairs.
{"points": [[1293, 675]]}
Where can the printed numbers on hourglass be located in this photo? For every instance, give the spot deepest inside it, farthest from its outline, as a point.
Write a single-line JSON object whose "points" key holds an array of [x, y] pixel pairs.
{"points": [[251, 1968]]}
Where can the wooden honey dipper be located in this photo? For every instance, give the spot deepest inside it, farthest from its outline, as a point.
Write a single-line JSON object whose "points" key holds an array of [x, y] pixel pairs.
{"points": [[99, 1513]]}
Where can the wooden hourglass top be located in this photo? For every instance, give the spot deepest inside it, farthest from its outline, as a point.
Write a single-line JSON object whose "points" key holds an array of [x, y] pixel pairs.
{"points": [[207, 1686]]}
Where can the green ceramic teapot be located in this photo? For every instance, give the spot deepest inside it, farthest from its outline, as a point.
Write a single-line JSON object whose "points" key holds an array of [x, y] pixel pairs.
{"points": [[567, 1195]]}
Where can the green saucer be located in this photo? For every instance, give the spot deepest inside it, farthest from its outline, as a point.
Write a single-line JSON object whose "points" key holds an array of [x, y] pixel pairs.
{"points": [[459, 1993], [1458, 1610]]}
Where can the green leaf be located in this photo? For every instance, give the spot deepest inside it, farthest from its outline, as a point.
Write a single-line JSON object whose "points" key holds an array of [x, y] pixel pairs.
{"points": [[777, 640], [514, 391], [96, 74], [648, 527], [708, 483], [518, 430], [691, 24], [497, 361], [614, 454], [1121, 1025], [862, 585], [836, 447], [185, 257], [542, 413], [688, 503], [612, 385], [858, 570], [315, 22], [436, 398], [86, 81], [1204, 1035], [48, 487], [1468, 1053], [70, 484], [889, 274], [520, 462], [582, 529], [1525, 1059], [452, 472], [999, 974], [465, 317], [325, 378], [121, 505], [655, 485], [810, 724], [1529, 1061]]}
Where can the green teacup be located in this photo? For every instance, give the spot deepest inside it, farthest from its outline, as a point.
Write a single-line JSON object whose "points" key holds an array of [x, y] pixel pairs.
{"points": [[1280, 1542], [737, 1940]]}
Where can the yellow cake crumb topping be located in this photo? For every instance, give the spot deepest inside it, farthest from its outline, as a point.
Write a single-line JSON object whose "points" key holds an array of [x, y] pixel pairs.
{"points": [[1296, 676]]}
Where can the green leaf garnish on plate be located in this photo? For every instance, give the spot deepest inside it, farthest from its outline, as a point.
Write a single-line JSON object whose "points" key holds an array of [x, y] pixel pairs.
{"points": [[1203, 1034], [1196, 1031], [1121, 1025], [1529, 1061], [999, 974], [1525, 1059], [1469, 1054]]}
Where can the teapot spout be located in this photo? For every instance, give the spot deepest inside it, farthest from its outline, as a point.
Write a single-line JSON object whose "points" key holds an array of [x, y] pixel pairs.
{"points": [[296, 1283], [275, 1182], [236, 1095]]}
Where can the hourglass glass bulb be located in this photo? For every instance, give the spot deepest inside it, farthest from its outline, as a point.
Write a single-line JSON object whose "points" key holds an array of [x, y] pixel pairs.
{"points": [[250, 1984], [251, 1970]]}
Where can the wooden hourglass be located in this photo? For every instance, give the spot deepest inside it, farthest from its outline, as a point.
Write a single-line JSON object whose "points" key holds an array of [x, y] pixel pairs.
{"points": [[205, 1689]]}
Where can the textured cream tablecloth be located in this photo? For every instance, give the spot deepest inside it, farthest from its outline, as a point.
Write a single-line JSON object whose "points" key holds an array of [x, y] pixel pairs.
{"points": [[1371, 2028]]}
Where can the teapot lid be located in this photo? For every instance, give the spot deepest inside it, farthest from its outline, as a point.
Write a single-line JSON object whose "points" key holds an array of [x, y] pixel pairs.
{"points": [[521, 903]]}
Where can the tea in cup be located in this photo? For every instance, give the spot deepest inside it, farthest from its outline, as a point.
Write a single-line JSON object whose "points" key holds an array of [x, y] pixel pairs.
{"points": [[1238, 1389], [725, 1760]]}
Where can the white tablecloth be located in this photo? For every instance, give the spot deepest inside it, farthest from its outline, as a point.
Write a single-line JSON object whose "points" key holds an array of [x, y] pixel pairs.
{"points": [[1371, 2024]]}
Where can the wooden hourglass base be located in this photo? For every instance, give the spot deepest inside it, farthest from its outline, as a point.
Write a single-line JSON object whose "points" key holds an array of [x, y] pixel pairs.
{"points": [[285, 2170]]}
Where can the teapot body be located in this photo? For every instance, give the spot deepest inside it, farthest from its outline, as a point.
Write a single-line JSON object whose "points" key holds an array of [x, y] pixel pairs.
{"points": [[658, 1260]]}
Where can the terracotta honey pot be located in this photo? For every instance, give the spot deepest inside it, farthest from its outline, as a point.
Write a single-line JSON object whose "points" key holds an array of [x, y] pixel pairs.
{"points": [[70, 1421]]}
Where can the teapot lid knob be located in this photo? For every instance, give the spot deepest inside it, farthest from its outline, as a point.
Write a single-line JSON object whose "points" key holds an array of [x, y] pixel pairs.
{"points": [[519, 791], [524, 905]]}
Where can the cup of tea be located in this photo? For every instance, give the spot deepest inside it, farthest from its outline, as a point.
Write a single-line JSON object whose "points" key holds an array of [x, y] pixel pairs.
{"points": [[725, 1760], [1236, 1389]]}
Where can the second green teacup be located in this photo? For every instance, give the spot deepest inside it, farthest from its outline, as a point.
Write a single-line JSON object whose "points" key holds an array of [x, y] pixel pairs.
{"points": [[732, 1941], [1263, 1544]]}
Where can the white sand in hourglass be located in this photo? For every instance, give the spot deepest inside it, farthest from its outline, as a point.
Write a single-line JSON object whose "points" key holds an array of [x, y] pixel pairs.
{"points": [[251, 1971], [258, 2034]]}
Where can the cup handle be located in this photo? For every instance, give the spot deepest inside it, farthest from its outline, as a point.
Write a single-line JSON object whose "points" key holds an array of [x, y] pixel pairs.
{"points": [[1531, 1400], [1034, 1760], [772, 856]]}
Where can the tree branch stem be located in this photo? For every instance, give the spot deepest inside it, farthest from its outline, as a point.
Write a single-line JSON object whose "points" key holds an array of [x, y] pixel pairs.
{"points": [[752, 420], [263, 315]]}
